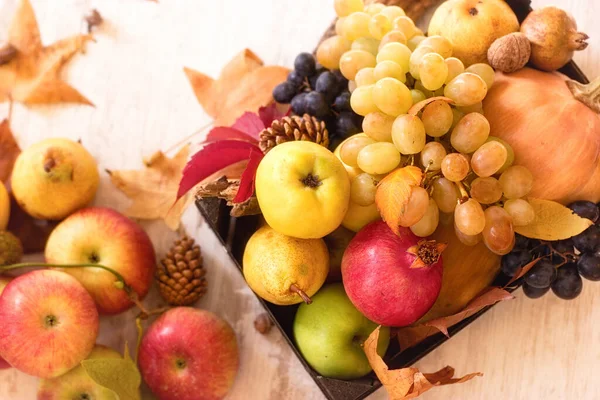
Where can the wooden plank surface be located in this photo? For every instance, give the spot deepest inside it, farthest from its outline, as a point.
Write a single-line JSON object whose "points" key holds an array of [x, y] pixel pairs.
{"points": [[545, 349]]}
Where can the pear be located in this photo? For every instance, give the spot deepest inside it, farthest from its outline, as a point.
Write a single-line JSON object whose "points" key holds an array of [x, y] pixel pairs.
{"points": [[282, 269], [54, 178]]}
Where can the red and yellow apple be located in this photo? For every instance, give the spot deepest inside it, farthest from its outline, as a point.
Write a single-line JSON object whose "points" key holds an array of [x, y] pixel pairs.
{"points": [[189, 354], [49, 323], [3, 282], [77, 384], [104, 236]]}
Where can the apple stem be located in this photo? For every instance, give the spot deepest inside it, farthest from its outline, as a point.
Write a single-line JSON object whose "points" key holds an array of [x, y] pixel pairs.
{"points": [[301, 293]]}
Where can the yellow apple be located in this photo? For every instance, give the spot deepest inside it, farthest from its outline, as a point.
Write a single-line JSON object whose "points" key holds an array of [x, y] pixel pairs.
{"points": [[4, 207], [303, 190]]}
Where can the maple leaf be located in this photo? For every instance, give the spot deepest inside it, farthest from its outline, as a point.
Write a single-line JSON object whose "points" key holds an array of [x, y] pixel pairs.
{"points": [[154, 188], [244, 85], [408, 383], [9, 150], [32, 76]]}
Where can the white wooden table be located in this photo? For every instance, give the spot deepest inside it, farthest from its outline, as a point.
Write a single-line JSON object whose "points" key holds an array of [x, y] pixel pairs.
{"points": [[545, 349]]}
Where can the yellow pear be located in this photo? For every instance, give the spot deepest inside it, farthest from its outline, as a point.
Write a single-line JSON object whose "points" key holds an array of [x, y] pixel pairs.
{"points": [[4, 207], [282, 269], [54, 178]]}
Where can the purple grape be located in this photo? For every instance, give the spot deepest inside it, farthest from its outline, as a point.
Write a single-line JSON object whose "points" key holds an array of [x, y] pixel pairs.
{"points": [[588, 266], [541, 275], [568, 284], [316, 105], [305, 64], [533, 292], [585, 209], [514, 260], [299, 104], [284, 92], [588, 241]]}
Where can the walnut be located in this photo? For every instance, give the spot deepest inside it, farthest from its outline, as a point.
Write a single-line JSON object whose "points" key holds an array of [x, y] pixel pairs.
{"points": [[510, 52]]}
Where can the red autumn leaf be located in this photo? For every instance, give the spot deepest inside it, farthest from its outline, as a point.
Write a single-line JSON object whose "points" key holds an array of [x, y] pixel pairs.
{"points": [[522, 271], [246, 189], [226, 133], [271, 113], [9, 150], [212, 158], [250, 124]]}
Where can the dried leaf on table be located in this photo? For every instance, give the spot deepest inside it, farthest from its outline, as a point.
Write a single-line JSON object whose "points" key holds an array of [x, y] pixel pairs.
{"points": [[32, 75], [245, 84], [154, 188], [9, 150], [227, 189], [553, 221], [393, 193], [412, 335], [407, 383]]}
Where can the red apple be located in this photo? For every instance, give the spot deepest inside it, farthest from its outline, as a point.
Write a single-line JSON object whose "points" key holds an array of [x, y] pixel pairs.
{"points": [[104, 236], [189, 354], [392, 279], [49, 323], [3, 282]]}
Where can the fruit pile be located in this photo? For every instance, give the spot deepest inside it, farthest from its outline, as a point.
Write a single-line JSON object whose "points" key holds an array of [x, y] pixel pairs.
{"points": [[560, 264]]}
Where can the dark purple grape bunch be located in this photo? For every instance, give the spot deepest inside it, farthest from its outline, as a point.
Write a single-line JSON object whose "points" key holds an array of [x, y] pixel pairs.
{"points": [[563, 263], [312, 89]]}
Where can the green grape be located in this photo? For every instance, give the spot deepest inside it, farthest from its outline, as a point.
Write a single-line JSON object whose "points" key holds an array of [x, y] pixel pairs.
{"points": [[392, 96], [378, 158], [356, 25], [456, 117], [466, 89], [486, 190], [351, 86], [469, 217], [374, 8], [414, 42], [429, 222], [350, 149], [488, 159], [432, 155], [415, 208], [439, 44], [417, 96], [365, 77], [362, 189], [389, 69], [473, 108], [469, 240], [470, 133], [339, 26], [498, 234], [516, 181], [446, 195], [455, 68], [344, 8], [408, 134], [437, 118], [396, 52], [510, 156], [432, 71], [379, 25], [391, 37], [521, 212], [367, 44], [415, 60], [353, 61], [393, 12], [361, 100], [455, 167], [378, 126], [419, 86], [406, 26], [484, 71], [331, 50]]}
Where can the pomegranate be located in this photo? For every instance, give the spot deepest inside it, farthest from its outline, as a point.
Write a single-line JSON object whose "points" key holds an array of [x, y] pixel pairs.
{"points": [[392, 279]]}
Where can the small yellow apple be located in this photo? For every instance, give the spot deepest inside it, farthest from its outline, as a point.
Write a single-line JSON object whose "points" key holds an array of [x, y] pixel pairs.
{"points": [[303, 190], [358, 216], [472, 26], [4, 207], [282, 269], [54, 178]]}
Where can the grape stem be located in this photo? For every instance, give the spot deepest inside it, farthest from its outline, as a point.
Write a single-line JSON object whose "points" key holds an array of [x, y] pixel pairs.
{"points": [[464, 195]]}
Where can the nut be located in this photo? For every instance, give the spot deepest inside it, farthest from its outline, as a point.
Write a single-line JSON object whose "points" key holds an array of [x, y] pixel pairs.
{"points": [[510, 52], [263, 323]]}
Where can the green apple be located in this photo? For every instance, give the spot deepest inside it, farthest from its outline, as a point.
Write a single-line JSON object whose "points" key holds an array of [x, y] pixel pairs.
{"points": [[330, 332]]}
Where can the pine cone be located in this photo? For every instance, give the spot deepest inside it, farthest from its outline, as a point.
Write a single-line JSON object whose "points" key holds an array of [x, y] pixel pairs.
{"points": [[294, 128], [180, 276]]}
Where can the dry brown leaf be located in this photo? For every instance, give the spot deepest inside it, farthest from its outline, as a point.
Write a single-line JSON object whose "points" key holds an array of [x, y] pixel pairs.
{"points": [[245, 84], [154, 188], [407, 383], [393, 193], [9, 150], [553, 221], [32, 76]]}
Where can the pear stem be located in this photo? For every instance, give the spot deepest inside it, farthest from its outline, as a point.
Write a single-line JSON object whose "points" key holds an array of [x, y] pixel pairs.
{"points": [[301, 293], [587, 94]]}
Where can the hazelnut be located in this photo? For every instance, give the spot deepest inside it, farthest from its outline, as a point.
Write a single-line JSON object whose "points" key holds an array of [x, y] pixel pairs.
{"points": [[510, 52], [263, 323]]}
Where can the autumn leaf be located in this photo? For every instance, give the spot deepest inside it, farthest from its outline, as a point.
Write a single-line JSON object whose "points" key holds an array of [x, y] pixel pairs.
{"points": [[553, 221], [32, 76], [154, 188], [393, 193], [9, 151], [120, 375], [522, 271], [407, 383], [244, 85]]}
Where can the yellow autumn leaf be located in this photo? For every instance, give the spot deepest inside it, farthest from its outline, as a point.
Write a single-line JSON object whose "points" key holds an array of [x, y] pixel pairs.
{"points": [[393, 193], [553, 221]]}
